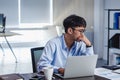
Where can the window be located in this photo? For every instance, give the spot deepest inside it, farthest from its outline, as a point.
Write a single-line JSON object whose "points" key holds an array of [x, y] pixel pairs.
{"points": [[10, 9], [26, 13], [35, 12]]}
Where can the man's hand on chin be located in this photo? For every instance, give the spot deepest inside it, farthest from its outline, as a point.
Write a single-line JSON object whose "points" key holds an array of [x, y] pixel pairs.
{"points": [[85, 39]]}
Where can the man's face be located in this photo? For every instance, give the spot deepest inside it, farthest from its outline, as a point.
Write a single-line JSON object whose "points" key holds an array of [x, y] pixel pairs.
{"points": [[78, 33]]}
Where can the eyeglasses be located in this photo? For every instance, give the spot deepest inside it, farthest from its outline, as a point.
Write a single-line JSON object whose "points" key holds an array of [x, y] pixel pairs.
{"points": [[81, 31]]}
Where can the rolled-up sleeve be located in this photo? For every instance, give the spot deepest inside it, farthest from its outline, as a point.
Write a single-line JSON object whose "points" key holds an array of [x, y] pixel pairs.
{"points": [[83, 50], [89, 50]]}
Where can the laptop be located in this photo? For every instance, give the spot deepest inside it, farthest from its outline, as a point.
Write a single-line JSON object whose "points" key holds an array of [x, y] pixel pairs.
{"points": [[79, 66]]}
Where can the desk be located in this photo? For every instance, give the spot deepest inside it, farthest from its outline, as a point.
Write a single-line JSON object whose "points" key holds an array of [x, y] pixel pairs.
{"points": [[5, 35], [100, 74], [29, 76]]}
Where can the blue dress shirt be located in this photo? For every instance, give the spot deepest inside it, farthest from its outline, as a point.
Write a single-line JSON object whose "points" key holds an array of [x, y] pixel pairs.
{"points": [[56, 52]]}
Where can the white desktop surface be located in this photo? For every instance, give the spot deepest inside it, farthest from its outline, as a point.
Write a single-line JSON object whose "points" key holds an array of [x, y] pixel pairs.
{"points": [[107, 73], [8, 33]]}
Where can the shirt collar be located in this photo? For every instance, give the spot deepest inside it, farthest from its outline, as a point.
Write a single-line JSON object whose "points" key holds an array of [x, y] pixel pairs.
{"points": [[64, 46]]}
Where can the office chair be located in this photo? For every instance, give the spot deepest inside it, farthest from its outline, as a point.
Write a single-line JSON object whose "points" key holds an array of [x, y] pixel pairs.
{"points": [[35, 55], [2, 28], [2, 23]]}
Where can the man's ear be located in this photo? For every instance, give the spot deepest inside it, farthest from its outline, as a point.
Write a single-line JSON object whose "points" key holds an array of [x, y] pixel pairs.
{"points": [[70, 31]]}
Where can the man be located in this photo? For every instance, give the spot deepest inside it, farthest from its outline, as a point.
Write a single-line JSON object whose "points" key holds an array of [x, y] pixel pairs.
{"points": [[72, 43]]}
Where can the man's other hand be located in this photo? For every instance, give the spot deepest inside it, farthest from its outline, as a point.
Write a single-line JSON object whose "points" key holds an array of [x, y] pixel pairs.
{"points": [[61, 70]]}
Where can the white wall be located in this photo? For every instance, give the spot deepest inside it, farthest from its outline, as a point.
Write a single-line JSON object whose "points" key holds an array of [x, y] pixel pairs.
{"points": [[112, 4], [63, 8], [98, 27]]}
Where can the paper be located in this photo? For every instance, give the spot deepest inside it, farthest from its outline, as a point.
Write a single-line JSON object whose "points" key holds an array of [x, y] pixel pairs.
{"points": [[107, 73]]}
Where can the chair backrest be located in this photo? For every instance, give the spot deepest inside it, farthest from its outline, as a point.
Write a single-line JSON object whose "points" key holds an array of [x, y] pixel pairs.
{"points": [[35, 56], [2, 23]]}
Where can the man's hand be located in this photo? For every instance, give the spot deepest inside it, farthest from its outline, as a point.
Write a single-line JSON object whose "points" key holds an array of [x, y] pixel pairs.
{"points": [[85, 39], [61, 70]]}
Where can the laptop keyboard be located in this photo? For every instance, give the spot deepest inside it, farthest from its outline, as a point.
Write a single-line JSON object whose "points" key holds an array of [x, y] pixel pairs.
{"points": [[59, 75]]}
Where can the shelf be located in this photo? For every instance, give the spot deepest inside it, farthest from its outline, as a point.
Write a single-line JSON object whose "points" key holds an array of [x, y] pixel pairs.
{"points": [[113, 41], [115, 49], [113, 9], [113, 29]]}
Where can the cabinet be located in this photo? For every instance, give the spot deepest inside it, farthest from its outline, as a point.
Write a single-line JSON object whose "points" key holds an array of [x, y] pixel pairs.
{"points": [[113, 37]]}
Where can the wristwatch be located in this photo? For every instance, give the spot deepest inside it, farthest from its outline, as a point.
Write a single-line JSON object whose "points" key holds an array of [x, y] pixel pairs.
{"points": [[89, 46]]}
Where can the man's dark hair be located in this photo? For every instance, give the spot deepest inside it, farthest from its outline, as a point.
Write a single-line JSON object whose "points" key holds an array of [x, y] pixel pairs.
{"points": [[73, 21]]}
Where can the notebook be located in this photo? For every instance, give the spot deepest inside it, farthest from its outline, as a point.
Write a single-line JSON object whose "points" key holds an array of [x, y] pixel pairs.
{"points": [[11, 77], [111, 67], [79, 66]]}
